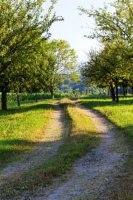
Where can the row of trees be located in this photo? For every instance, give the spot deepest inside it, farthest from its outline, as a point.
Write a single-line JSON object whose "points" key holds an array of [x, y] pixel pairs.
{"points": [[113, 65], [29, 61]]}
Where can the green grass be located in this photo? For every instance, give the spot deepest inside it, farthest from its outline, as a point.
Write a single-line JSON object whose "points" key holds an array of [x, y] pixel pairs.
{"points": [[20, 129], [81, 136], [120, 114]]}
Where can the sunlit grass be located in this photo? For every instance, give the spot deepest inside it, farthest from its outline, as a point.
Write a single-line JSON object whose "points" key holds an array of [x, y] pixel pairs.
{"points": [[81, 123], [20, 129]]}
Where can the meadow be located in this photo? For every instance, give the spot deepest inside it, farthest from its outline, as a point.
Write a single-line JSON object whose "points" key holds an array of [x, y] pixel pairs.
{"points": [[21, 127]]}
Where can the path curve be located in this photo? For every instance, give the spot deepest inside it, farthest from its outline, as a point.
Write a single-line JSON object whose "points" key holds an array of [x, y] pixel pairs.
{"points": [[93, 172], [48, 145]]}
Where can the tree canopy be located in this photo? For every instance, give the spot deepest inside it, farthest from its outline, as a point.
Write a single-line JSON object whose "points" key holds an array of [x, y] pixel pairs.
{"points": [[24, 25], [113, 64], [58, 60]]}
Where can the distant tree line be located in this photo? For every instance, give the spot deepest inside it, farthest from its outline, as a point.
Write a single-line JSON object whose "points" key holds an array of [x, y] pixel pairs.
{"points": [[29, 60], [112, 66]]}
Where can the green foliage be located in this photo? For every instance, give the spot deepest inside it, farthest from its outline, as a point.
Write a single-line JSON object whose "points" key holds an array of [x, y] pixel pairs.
{"points": [[115, 24], [106, 66], [57, 61], [113, 65], [24, 25]]}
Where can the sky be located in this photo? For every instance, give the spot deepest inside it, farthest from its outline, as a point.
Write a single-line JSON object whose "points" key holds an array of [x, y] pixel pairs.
{"points": [[75, 26]]}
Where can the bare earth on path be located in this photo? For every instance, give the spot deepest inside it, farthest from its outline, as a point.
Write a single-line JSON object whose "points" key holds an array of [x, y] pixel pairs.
{"points": [[91, 174], [48, 145]]}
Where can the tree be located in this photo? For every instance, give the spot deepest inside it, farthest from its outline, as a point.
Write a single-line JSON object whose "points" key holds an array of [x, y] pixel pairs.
{"points": [[107, 69], [56, 63], [113, 24], [114, 31], [23, 27]]}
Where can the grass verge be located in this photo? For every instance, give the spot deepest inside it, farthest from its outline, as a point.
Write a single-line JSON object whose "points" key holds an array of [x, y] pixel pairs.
{"points": [[121, 114], [82, 135], [21, 128]]}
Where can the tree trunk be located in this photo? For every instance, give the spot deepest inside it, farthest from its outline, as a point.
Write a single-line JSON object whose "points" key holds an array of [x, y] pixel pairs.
{"points": [[52, 94], [117, 95], [4, 101], [18, 99], [112, 91]]}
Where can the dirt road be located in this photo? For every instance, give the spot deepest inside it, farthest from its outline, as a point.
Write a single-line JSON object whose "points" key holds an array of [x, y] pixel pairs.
{"points": [[92, 174]]}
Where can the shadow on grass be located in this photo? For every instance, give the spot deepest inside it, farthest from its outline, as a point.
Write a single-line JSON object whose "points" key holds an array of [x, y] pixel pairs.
{"points": [[96, 102], [128, 132], [12, 142], [11, 148], [24, 109], [73, 148]]}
